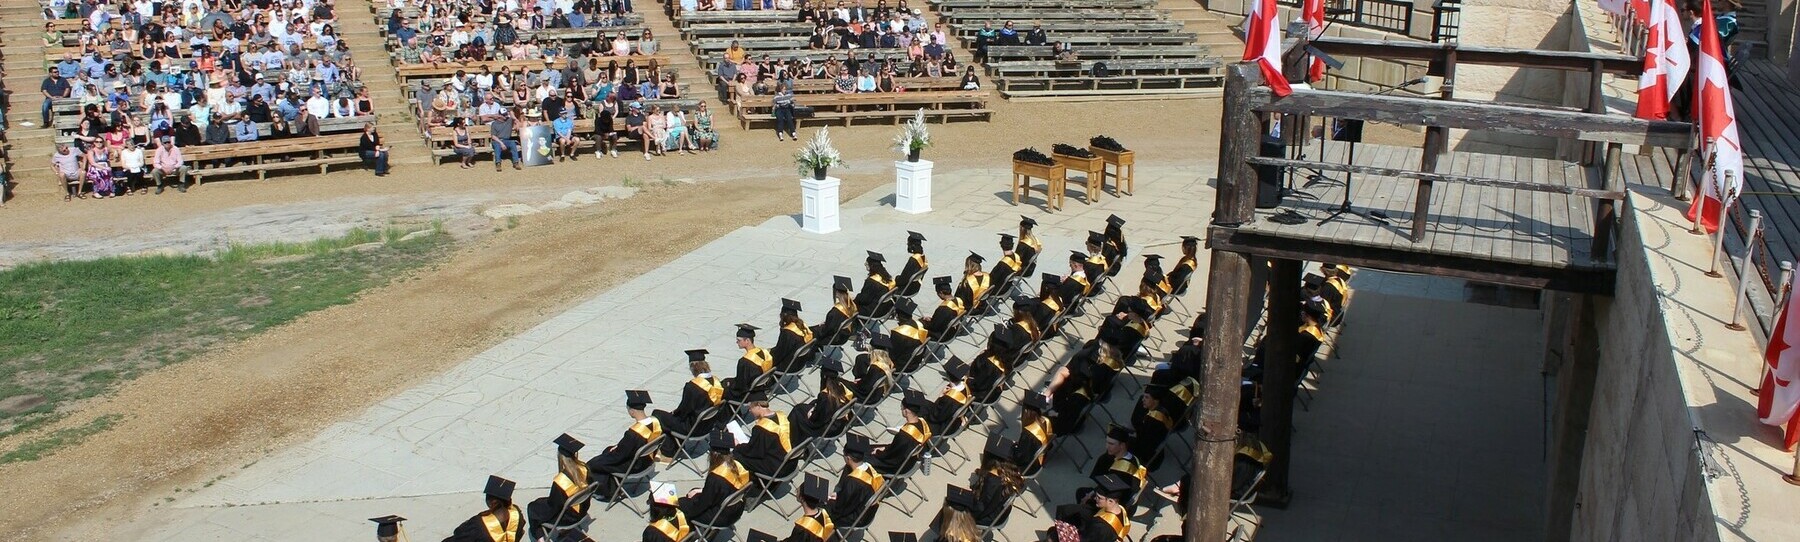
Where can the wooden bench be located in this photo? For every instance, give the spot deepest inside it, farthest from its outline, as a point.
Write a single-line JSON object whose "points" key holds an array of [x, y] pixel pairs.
{"points": [[1095, 52], [747, 30], [408, 72], [950, 6], [911, 84], [442, 139], [892, 107], [713, 46], [818, 56], [685, 19], [1023, 18], [1059, 29], [329, 125], [322, 152]]}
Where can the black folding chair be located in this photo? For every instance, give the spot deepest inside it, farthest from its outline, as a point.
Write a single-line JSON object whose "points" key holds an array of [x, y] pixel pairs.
{"points": [[705, 529], [999, 526], [641, 468], [854, 531], [684, 448], [556, 531], [790, 468]]}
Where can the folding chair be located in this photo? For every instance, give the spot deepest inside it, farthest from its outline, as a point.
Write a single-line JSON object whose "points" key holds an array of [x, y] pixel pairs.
{"points": [[555, 531], [834, 432], [860, 527], [705, 529], [1031, 481], [873, 321], [1241, 503], [737, 405], [790, 468], [684, 441], [641, 468], [903, 480], [987, 531], [936, 443]]}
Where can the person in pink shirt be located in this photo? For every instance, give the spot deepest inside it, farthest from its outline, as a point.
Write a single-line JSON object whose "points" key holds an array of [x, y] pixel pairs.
{"points": [[167, 162]]}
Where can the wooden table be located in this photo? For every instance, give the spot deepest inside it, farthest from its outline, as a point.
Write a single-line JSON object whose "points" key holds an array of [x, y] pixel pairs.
{"points": [[1124, 164], [1022, 174], [1094, 168]]}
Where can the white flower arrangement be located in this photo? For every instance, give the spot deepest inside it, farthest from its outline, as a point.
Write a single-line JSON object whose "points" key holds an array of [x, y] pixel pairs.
{"points": [[913, 135], [817, 154]]}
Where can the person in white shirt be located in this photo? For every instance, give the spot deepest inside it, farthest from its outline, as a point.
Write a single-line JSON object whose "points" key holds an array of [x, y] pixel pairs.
{"points": [[131, 160], [318, 105]]}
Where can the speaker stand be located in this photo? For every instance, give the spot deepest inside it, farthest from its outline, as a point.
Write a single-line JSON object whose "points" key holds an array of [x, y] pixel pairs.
{"points": [[1345, 208]]}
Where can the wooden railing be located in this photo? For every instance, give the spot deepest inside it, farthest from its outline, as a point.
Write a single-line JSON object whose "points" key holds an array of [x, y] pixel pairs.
{"points": [[1384, 15]]}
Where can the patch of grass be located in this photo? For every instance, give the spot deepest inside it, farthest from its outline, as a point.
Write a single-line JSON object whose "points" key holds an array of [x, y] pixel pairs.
{"points": [[77, 329], [48, 444]]}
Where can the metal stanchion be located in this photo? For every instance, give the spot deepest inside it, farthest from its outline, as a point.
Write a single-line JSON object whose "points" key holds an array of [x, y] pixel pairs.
{"points": [[1793, 475], [1781, 302], [1744, 270]]}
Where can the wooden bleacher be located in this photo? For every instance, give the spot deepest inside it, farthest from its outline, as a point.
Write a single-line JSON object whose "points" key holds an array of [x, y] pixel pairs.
{"points": [[1143, 50], [264, 156], [442, 139], [882, 107], [410, 72]]}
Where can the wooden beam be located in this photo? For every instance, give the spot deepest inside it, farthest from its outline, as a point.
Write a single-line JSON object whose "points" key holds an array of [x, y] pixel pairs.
{"points": [[1442, 177], [1513, 119], [1215, 422], [1236, 197], [1473, 54], [1280, 375], [1579, 277]]}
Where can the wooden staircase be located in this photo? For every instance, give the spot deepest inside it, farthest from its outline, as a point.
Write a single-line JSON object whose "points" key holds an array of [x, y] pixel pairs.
{"points": [[29, 142], [394, 118], [1214, 32]]}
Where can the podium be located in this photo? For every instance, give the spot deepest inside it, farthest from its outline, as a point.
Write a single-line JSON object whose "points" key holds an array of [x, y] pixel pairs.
{"points": [[819, 205], [912, 186]]}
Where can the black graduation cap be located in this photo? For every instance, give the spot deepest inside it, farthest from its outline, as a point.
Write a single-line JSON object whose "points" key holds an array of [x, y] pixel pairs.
{"points": [[1077, 256], [721, 441], [999, 446], [1313, 281], [959, 497], [876, 256], [1024, 304], [816, 488], [1051, 279], [904, 306], [881, 342], [1152, 258], [841, 283], [902, 537], [699, 354], [744, 331], [913, 237], [789, 305], [942, 283], [857, 445], [1315, 307], [1096, 238], [915, 400], [830, 364], [1027, 222], [759, 536], [637, 399], [956, 369], [1114, 220], [1001, 339], [1006, 241], [499, 488], [1036, 401], [1115, 487], [976, 257], [388, 525], [568, 444], [1189, 239], [1119, 432]]}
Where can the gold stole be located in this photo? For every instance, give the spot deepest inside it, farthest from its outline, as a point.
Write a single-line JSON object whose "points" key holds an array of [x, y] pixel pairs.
{"points": [[1011, 261], [1313, 331], [1138, 324], [502, 533], [919, 259], [714, 392], [1154, 301], [820, 527], [778, 424], [959, 395], [1041, 432], [1098, 260], [955, 304], [919, 432], [676, 530], [1161, 418], [848, 308], [1130, 467], [1083, 281], [884, 281], [867, 475], [978, 284], [1118, 524], [733, 473], [1055, 306], [760, 357], [649, 428], [911, 332], [1031, 241], [804, 332], [568, 485], [1030, 327]]}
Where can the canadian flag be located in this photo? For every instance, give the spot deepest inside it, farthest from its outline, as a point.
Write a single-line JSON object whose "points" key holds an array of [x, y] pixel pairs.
{"points": [[1780, 392], [1262, 43], [1313, 12], [1718, 128], [1666, 62]]}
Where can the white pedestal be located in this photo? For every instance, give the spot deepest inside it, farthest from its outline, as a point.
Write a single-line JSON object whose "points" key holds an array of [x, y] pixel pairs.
{"points": [[912, 186], [819, 205]]}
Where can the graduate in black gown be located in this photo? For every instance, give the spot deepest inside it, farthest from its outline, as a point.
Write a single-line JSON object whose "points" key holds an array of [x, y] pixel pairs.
{"points": [[387, 528], [941, 325], [1118, 459], [912, 275], [987, 374], [751, 366], [872, 300], [1126, 327], [950, 412], [858, 482], [873, 372], [500, 522], [724, 477], [814, 524], [622, 458], [1114, 248], [1048, 307], [903, 451], [906, 344], [571, 477], [1151, 423], [1028, 246], [1077, 283], [1100, 514], [1033, 446], [1008, 266], [822, 415], [995, 482], [975, 284], [700, 393], [837, 327], [771, 438], [1099, 266], [1183, 271], [667, 523], [794, 335]]}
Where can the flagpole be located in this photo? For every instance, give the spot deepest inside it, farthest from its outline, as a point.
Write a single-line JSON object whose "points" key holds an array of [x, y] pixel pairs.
{"points": [[1718, 238], [1700, 192], [1781, 303], [1744, 270]]}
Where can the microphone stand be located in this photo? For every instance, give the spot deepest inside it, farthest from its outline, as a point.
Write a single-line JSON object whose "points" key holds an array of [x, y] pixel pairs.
{"points": [[1350, 158]]}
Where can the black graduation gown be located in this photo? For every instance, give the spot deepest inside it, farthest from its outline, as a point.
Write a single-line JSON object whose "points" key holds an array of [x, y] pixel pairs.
{"points": [[945, 415], [1031, 440], [991, 498], [475, 528], [986, 374], [694, 400], [1187, 360], [764, 454], [618, 458], [545, 509], [870, 378], [1044, 314], [1028, 249], [1097, 377], [654, 531], [854, 488], [1151, 427], [1004, 270], [938, 329], [720, 483], [912, 275], [813, 419], [869, 299], [1124, 334], [1178, 276], [738, 387], [1071, 290], [1128, 466], [902, 451], [835, 330], [965, 291], [792, 338], [1068, 405], [907, 347], [1115, 253], [813, 528]]}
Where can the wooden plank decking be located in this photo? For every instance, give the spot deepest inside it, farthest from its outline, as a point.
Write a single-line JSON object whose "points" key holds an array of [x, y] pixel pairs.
{"points": [[1526, 228], [1768, 114]]}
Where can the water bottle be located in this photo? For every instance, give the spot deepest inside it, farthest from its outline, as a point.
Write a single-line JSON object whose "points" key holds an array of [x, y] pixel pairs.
{"points": [[925, 464]]}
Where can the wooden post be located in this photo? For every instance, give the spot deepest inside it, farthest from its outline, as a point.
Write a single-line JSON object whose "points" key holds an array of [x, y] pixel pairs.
{"points": [[1215, 437], [1437, 141], [1605, 210], [1280, 375], [1596, 105]]}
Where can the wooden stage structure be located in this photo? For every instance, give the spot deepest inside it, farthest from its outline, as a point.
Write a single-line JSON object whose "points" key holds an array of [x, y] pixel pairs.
{"points": [[1510, 220]]}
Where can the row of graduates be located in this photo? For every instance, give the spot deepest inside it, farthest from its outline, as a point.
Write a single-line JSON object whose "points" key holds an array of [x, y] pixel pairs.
{"points": [[773, 434]]}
